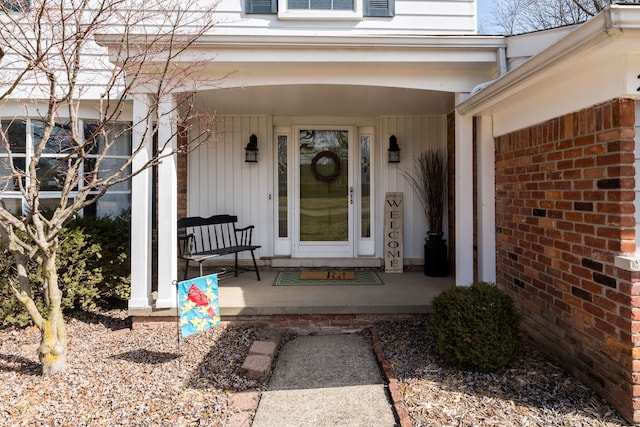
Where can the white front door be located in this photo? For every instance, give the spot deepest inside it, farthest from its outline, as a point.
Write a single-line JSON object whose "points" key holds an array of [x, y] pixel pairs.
{"points": [[323, 224]]}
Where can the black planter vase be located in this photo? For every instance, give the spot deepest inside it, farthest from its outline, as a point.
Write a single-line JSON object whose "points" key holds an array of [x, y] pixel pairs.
{"points": [[435, 256]]}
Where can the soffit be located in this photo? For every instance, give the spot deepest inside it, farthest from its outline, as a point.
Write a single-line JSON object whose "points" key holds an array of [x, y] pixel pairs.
{"points": [[444, 77], [325, 100], [443, 63], [598, 56]]}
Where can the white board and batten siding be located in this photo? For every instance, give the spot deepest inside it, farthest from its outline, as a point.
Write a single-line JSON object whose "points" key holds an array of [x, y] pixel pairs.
{"points": [[221, 182], [415, 134]]}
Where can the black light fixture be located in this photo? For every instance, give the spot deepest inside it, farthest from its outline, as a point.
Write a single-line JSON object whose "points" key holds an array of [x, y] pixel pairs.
{"points": [[251, 150], [394, 150]]}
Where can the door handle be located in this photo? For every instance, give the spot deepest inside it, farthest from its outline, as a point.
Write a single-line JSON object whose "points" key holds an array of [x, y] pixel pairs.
{"points": [[351, 195]]}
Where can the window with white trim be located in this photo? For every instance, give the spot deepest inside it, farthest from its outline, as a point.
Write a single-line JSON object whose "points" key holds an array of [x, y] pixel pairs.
{"points": [[322, 9], [321, 4], [21, 136], [9, 6], [283, 187]]}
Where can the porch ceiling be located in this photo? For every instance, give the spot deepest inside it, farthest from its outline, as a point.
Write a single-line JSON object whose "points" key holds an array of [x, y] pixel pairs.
{"points": [[326, 100]]}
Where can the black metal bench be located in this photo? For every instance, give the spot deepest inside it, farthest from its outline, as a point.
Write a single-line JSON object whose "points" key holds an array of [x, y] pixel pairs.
{"points": [[200, 239]]}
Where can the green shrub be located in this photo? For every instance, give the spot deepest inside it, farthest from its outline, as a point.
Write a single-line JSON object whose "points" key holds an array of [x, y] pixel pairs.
{"points": [[93, 268], [112, 235], [477, 327], [78, 278]]}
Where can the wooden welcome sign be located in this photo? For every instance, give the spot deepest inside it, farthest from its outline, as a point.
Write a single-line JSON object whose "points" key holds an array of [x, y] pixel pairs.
{"points": [[393, 243]]}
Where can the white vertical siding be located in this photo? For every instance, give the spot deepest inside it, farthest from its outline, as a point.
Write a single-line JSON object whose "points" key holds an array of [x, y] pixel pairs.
{"points": [[220, 181], [415, 134]]}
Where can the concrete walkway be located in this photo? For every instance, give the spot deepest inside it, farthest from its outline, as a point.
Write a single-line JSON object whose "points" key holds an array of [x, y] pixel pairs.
{"points": [[325, 380]]}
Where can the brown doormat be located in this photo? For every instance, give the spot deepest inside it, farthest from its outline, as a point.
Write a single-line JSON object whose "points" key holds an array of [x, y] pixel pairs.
{"points": [[358, 278], [328, 275]]}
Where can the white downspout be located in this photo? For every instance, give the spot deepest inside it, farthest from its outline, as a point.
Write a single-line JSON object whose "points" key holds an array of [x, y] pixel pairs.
{"points": [[486, 186], [502, 61]]}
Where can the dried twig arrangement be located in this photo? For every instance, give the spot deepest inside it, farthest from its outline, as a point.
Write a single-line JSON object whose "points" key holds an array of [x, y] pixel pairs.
{"points": [[429, 179]]}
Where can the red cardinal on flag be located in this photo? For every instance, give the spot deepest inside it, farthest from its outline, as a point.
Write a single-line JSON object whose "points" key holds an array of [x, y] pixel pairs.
{"points": [[196, 296]]}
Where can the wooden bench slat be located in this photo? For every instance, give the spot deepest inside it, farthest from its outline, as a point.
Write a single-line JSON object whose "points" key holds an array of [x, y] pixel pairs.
{"points": [[200, 239]]}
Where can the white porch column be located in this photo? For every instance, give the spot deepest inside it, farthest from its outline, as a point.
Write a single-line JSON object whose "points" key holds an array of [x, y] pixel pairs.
{"points": [[464, 198], [486, 200], [141, 252], [167, 204]]}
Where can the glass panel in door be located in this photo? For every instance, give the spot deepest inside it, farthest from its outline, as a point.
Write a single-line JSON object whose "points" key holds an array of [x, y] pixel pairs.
{"points": [[324, 195]]}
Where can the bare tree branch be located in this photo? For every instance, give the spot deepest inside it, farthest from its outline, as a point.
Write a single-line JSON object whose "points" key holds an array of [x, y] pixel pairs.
{"points": [[54, 66], [521, 16]]}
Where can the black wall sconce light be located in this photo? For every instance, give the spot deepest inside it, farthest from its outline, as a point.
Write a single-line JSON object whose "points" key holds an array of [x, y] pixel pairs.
{"points": [[394, 150], [251, 150]]}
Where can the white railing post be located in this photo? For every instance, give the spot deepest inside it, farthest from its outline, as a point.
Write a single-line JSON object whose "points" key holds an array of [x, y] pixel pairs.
{"points": [[141, 251], [486, 200], [167, 203], [464, 198]]}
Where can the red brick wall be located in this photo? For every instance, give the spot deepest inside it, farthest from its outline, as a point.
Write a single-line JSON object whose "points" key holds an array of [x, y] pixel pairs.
{"points": [[182, 174], [564, 210]]}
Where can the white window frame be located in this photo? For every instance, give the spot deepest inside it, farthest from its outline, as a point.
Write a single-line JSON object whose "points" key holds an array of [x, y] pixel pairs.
{"points": [[282, 245], [55, 194], [122, 157], [366, 246], [347, 15]]}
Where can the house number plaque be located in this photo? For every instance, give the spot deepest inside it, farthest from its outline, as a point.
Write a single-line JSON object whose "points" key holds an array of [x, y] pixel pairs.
{"points": [[393, 243]]}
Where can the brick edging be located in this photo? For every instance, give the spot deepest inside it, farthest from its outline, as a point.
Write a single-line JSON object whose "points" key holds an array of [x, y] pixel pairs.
{"points": [[394, 391]]}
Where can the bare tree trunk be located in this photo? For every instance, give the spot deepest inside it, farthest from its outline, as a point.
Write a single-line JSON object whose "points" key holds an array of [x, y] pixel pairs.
{"points": [[53, 333], [54, 49], [53, 346]]}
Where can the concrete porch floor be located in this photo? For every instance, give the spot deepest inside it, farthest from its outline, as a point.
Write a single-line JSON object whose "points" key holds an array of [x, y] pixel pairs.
{"points": [[402, 293]]}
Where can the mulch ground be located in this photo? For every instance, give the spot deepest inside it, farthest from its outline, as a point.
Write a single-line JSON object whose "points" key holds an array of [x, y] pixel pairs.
{"points": [[119, 377]]}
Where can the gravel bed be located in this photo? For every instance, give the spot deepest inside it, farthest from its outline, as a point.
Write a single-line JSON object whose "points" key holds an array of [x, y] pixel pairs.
{"points": [[118, 378], [133, 378], [534, 392]]}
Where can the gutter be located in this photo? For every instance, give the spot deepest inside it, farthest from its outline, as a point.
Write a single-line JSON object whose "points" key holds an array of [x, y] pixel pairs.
{"points": [[502, 70], [468, 42], [609, 23]]}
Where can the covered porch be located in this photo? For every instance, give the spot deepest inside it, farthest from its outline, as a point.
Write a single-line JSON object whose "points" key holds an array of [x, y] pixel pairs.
{"points": [[314, 308], [410, 292], [278, 93]]}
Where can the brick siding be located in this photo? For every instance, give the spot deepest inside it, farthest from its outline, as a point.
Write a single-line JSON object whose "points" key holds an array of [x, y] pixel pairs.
{"points": [[182, 174], [564, 210], [300, 324]]}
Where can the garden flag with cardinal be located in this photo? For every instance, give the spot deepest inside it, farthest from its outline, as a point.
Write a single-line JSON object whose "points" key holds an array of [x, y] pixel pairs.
{"points": [[198, 304]]}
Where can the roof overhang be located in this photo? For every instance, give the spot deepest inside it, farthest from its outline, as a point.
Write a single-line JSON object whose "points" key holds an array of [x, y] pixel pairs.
{"points": [[599, 60], [277, 41], [446, 63]]}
